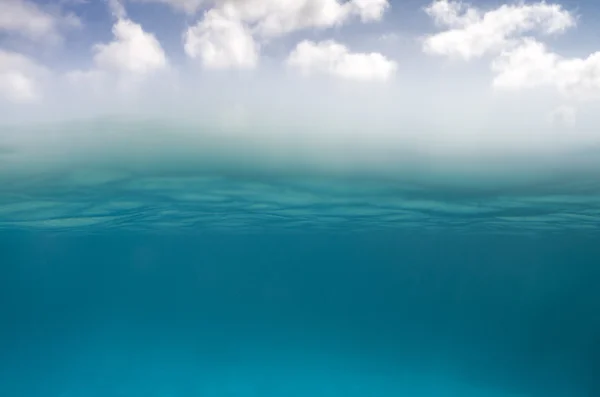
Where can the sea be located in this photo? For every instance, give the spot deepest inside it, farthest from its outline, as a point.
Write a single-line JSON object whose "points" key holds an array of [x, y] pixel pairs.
{"points": [[143, 258]]}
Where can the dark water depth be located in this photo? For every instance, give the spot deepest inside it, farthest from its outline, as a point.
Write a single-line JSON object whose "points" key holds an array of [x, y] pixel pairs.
{"points": [[378, 314]]}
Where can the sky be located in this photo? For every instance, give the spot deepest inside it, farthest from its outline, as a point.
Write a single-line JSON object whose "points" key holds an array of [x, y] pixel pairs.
{"points": [[443, 74]]}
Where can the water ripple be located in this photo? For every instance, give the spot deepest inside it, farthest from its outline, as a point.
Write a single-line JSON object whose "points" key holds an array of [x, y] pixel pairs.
{"points": [[107, 200]]}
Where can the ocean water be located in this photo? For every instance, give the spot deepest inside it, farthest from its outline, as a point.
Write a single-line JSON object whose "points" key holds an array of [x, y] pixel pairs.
{"points": [[145, 259]]}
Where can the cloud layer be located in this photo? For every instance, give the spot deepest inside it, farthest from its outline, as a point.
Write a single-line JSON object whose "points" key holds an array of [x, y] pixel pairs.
{"points": [[504, 66], [20, 77], [332, 58], [230, 33], [221, 42], [472, 33], [26, 18]]}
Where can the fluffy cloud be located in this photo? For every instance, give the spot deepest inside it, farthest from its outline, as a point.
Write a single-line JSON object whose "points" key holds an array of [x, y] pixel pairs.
{"points": [[19, 78], [531, 65], [133, 50], [231, 28], [221, 42], [526, 66], [28, 19], [520, 60], [130, 57], [370, 10], [329, 57], [271, 18], [473, 33]]}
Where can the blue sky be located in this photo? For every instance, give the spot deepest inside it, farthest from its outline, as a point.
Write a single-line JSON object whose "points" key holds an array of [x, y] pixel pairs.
{"points": [[437, 73], [405, 19]]}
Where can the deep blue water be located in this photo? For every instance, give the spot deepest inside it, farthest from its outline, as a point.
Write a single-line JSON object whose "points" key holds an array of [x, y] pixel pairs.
{"points": [[178, 276]]}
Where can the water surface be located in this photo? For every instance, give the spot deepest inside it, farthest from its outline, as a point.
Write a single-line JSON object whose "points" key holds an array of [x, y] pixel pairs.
{"points": [[193, 266]]}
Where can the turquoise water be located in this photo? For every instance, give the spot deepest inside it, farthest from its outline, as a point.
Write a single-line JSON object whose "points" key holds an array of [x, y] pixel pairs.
{"points": [[147, 259]]}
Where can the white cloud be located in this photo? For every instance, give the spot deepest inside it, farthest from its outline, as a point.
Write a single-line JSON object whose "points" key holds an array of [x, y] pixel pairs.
{"points": [[370, 10], [329, 57], [520, 60], [117, 9], [473, 33], [227, 35], [19, 78], [133, 55], [18, 87], [221, 42], [281, 15], [526, 66], [271, 18], [28, 19], [532, 65], [133, 50]]}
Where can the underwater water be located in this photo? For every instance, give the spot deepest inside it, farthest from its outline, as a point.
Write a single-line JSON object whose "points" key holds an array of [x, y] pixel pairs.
{"points": [[140, 264]]}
